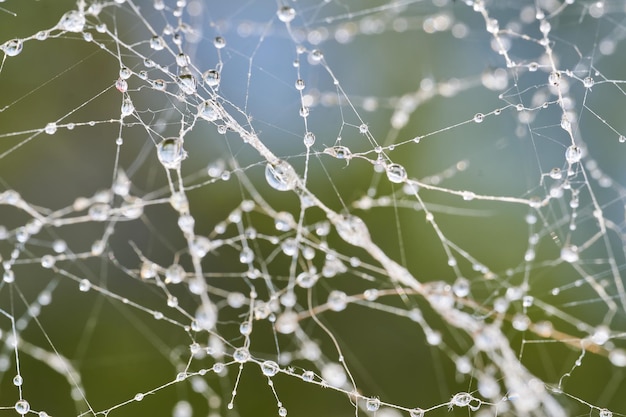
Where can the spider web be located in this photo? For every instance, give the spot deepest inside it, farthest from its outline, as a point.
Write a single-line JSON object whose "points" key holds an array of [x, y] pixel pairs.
{"points": [[401, 208]]}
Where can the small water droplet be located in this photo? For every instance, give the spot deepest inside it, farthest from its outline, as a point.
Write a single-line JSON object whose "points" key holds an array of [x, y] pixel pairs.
{"points": [[372, 404], [219, 42], [339, 152], [309, 139], [286, 14], [210, 110], [187, 83], [51, 128], [337, 300], [554, 78], [588, 82], [569, 253], [479, 117], [241, 355], [12, 47], [300, 84], [171, 153], [156, 43]]}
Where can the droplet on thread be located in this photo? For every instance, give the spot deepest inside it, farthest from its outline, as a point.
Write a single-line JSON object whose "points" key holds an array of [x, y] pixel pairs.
{"points": [[171, 153], [281, 176]]}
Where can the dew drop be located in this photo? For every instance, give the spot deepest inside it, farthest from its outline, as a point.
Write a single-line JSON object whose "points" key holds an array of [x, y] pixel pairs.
{"points": [[270, 368], [569, 253], [22, 407], [416, 412], [12, 47], [241, 355], [156, 43], [18, 380], [210, 110], [396, 173], [339, 152], [171, 153], [309, 139], [72, 21], [206, 316], [286, 14], [51, 128], [588, 82], [219, 42], [281, 176], [573, 154], [554, 78], [187, 83], [353, 230], [337, 300], [306, 279], [282, 412], [211, 77], [84, 285], [479, 117], [8, 276], [372, 404], [618, 357], [300, 84], [174, 274], [246, 255], [308, 376], [127, 107]]}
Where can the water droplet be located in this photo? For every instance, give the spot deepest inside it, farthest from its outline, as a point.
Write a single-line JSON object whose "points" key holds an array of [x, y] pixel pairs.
{"points": [[211, 77], [316, 56], [605, 413], [156, 43], [127, 107], [270, 368], [339, 152], [187, 83], [210, 110], [8, 276], [372, 404], [171, 153], [22, 407], [241, 355], [306, 279], [309, 139], [573, 154], [219, 42], [51, 128], [308, 376], [287, 322], [300, 84], [206, 316], [246, 255], [461, 399], [337, 300], [363, 128], [182, 60], [618, 357], [334, 374], [353, 230], [282, 412], [12, 47], [281, 176], [396, 173], [72, 21], [569, 253], [125, 73], [554, 78], [479, 117], [416, 412], [47, 261], [18, 380], [286, 14], [588, 82]]}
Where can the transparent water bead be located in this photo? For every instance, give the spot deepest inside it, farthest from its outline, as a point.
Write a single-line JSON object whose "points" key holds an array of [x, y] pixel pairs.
{"points": [[187, 83], [372, 404], [219, 42], [605, 413], [270, 368], [12, 47], [339, 152], [353, 230], [309, 139], [22, 407], [337, 300], [171, 153], [416, 412], [573, 154], [306, 279], [156, 43], [588, 82], [461, 399], [281, 176], [569, 253], [206, 316], [396, 173], [127, 107], [72, 21], [210, 110], [241, 355], [50, 128], [286, 14], [211, 77]]}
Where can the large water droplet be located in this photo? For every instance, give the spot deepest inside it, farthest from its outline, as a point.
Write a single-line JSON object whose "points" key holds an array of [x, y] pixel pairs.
{"points": [[372, 404], [339, 152], [353, 230], [281, 176], [127, 107], [211, 77], [156, 43], [187, 83], [22, 407], [171, 153], [206, 316], [72, 21], [396, 173], [12, 47], [210, 110], [573, 154], [270, 368]]}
